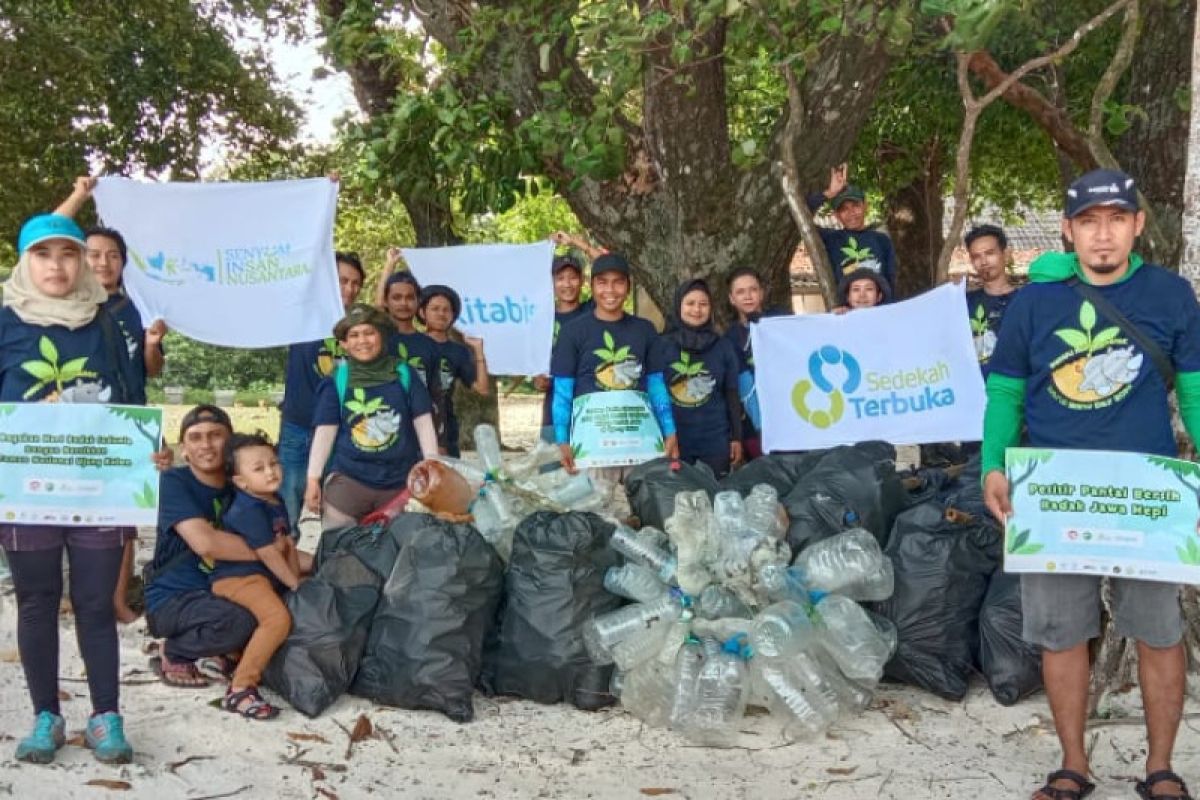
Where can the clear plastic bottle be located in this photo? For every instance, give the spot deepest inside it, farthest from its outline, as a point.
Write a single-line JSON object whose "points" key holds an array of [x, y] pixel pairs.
{"points": [[689, 660], [688, 529], [779, 582], [782, 630], [646, 692], [634, 581], [762, 511], [808, 708], [852, 639], [487, 445], [641, 646], [720, 695], [718, 602], [628, 543], [602, 632], [730, 511], [501, 503], [849, 564], [576, 492], [616, 683]]}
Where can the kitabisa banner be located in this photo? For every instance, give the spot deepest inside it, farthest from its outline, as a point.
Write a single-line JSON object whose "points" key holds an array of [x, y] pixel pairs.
{"points": [[904, 373]]}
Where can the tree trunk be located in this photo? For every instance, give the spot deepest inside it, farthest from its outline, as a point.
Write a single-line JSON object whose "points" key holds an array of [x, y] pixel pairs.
{"points": [[914, 215]]}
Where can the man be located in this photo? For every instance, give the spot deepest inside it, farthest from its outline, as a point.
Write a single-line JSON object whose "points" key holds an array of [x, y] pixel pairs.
{"points": [[854, 245], [568, 287], [987, 246], [746, 297], [197, 625], [1128, 412], [608, 350], [307, 365]]}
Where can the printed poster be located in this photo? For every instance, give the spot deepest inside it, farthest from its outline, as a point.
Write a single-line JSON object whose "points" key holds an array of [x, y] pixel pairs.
{"points": [[614, 429]]}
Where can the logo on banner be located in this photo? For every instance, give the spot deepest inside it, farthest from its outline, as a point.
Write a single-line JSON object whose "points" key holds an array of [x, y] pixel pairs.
{"points": [[835, 404], [234, 266]]}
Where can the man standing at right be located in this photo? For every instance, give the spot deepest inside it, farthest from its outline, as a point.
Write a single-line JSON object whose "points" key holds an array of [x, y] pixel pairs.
{"points": [[1039, 372]]}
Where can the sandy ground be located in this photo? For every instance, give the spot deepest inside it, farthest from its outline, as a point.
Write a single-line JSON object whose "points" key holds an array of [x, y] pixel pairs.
{"points": [[909, 745]]}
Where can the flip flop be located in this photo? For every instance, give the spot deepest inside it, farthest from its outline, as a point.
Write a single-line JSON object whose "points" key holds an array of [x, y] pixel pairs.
{"points": [[182, 675]]}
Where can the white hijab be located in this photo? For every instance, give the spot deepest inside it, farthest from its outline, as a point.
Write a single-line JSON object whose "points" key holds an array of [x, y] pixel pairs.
{"points": [[74, 310]]}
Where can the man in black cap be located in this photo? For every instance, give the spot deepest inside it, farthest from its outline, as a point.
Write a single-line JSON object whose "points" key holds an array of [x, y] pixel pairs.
{"points": [[853, 246], [1085, 379], [568, 286]]}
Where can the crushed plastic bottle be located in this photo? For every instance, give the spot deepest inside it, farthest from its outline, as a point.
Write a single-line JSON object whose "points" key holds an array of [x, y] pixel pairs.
{"points": [[635, 582], [852, 639], [487, 445], [641, 646], [602, 632], [718, 602], [646, 692], [849, 564], [730, 511], [689, 530], [778, 582], [782, 630], [720, 694], [689, 660], [794, 695], [628, 543], [763, 511]]}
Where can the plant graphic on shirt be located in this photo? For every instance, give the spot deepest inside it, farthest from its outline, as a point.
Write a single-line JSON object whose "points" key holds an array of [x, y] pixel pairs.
{"points": [[1094, 368], [413, 361], [617, 369], [377, 424], [49, 372], [692, 384]]}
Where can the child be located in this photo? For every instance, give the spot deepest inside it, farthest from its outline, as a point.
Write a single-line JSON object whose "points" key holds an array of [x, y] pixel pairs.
{"points": [[258, 515]]}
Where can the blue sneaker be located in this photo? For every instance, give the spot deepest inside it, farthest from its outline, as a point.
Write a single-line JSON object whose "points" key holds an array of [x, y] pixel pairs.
{"points": [[105, 735], [49, 734]]}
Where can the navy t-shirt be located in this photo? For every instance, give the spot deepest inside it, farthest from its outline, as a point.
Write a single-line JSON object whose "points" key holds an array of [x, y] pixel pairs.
{"points": [[561, 318], [603, 356], [258, 523], [849, 250], [308, 364], [456, 364], [419, 352], [133, 332], [54, 363], [181, 496], [986, 312], [1088, 385], [376, 443], [697, 383], [738, 335]]}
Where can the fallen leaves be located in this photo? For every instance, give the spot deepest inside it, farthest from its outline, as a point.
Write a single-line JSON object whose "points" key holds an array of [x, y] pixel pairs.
{"points": [[841, 770], [175, 765], [656, 791], [307, 737], [105, 783]]}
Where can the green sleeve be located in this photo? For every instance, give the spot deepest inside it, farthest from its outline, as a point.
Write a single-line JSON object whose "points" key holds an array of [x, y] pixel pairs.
{"points": [[1002, 419], [1187, 389]]}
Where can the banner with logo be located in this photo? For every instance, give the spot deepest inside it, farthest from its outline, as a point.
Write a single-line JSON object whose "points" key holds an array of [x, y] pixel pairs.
{"points": [[1088, 512], [905, 373], [234, 264], [507, 296], [614, 429], [78, 464]]}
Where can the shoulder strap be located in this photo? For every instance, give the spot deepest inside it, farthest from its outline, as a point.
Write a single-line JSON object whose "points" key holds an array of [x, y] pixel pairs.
{"points": [[114, 344], [341, 379], [404, 374], [1147, 345]]}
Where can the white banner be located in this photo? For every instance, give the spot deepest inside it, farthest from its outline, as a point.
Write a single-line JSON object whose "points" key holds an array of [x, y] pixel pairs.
{"points": [[905, 373], [235, 264], [507, 295]]}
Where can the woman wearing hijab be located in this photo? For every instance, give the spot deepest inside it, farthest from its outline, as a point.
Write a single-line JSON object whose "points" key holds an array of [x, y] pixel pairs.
{"points": [[373, 416], [58, 345], [702, 379], [440, 309]]}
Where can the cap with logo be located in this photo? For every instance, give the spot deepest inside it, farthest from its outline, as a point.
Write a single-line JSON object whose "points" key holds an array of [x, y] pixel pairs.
{"points": [[850, 192], [45, 227], [1101, 187], [565, 262]]}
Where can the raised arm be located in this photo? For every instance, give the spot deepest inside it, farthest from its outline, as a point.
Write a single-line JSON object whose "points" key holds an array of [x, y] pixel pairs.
{"points": [[389, 268], [84, 185]]}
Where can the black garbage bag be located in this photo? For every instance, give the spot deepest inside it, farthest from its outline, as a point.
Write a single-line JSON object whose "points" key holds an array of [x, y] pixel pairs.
{"points": [[781, 470], [374, 545], [426, 644], [965, 492], [651, 487], [850, 487], [1011, 665], [331, 618], [942, 570], [555, 583]]}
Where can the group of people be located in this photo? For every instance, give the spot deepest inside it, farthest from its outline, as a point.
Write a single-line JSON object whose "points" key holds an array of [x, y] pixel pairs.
{"points": [[363, 406]]}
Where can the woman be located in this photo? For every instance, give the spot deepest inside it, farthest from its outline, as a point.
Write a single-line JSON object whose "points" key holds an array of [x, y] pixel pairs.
{"points": [[373, 416], [440, 307], [861, 287], [58, 345], [702, 379]]}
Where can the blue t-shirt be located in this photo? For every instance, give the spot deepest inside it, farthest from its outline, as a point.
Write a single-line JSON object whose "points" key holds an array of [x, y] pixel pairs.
{"points": [[1088, 385], [738, 335], [456, 364], [986, 311], [603, 356], [697, 383], [376, 443], [561, 318], [182, 496], [258, 523], [419, 352], [308, 364], [133, 332], [849, 250], [56, 364]]}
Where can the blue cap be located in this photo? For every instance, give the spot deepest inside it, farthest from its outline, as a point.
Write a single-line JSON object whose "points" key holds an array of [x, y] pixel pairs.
{"points": [[1101, 187], [44, 227]]}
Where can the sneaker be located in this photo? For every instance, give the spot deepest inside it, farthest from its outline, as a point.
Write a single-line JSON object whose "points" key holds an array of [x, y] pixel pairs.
{"points": [[49, 734], [105, 735]]}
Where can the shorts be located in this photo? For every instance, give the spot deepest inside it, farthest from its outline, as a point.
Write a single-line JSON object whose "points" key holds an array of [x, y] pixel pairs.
{"points": [[355, 498], [1061, 611], [30, 538]]}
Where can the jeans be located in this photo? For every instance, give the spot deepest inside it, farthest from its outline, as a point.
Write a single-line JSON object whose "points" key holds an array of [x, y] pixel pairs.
{"points": [[294, 441], [198, 624]]}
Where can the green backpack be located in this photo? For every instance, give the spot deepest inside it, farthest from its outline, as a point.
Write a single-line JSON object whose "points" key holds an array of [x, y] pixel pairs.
{"points": [[341, 378]]}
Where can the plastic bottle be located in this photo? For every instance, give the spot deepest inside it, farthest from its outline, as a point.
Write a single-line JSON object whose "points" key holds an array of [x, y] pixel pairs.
{"points": [[487, 445], [641, 646], [762, 511], [718, 602], [730, 511], [852, 639], [849, 564], [601, 632], [688, 529], [782, 630], [720, 698], [616, 683], [627, 542], [500, 502], [796, 697], [779, 582], [576, 492], [689, 660], [646, 692], [634, 581]]}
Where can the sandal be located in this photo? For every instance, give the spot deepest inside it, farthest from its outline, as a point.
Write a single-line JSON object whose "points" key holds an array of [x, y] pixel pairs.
{"points": [[1086, 787], [257, 708], [218, 669], [181, 674], [1144, 788]]}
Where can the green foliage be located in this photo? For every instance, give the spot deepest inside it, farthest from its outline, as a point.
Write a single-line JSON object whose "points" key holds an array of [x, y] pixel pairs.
{"points": [[196, 365], [147, 497]]}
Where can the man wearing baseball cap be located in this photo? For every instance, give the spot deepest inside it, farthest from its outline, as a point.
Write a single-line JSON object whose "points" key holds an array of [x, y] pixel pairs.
{"points": [[567, 272], [853, 246], [1122, 408]]}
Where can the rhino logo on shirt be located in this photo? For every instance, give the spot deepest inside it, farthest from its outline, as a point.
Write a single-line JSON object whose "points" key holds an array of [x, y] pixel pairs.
{"points": [[1099, 366]]}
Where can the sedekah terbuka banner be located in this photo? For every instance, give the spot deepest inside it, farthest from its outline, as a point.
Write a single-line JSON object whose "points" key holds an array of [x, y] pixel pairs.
{"points": [[507, 295], [905, 373], [234, 264]]}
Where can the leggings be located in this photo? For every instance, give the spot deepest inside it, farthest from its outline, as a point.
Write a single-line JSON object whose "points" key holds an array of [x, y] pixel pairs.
{"points": [[38, 580]]}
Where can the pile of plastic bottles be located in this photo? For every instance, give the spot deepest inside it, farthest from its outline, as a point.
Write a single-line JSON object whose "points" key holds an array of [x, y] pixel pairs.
{"points": [[721, 621]]}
